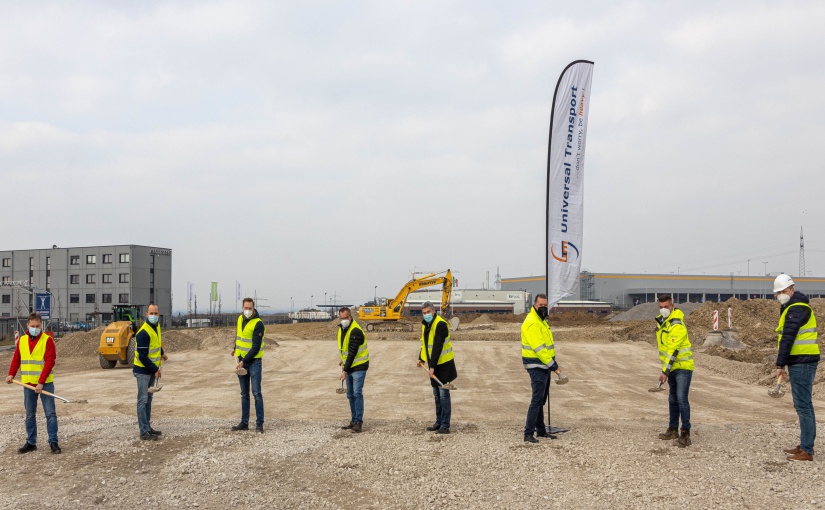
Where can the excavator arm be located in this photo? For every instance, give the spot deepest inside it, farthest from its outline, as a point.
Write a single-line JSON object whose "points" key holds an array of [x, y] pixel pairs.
{"points": [[397, 304]]}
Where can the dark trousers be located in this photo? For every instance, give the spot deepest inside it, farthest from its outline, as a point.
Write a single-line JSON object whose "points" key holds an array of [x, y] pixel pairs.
{"points": [[540, 383], [679, 382], [253, 378]]}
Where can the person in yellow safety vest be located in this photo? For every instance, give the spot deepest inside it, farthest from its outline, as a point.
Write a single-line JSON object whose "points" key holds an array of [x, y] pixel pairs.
{"points": [[676, 356], [538, 356], [798, 350], [355, 361], [437, 353], [35, 356], [149, 356], [249, 351]]}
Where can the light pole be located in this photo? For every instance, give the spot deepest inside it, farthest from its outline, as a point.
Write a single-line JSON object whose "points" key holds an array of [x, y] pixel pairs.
{"points": [[310, 300], [375, 299], [765, 292], [291, 304], [766, 268], [325, 299], [749, 267]]}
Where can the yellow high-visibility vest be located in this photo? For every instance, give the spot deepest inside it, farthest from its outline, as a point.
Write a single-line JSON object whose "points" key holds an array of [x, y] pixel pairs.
{"points": [[243, 337], [427, 344], [805, 342], [155, 346], [537, 346], [33, 362], [363, 354]]}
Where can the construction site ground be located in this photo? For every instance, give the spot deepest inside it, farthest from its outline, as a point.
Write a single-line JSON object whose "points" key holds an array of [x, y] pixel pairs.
{"points": [[610, 458]]}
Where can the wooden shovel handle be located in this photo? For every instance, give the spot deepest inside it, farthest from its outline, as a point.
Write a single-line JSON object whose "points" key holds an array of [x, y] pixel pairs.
{"points": [[15, 381]]}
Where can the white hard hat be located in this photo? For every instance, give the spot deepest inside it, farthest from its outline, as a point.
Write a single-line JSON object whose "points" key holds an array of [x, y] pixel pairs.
{"points": [[782, 282]]}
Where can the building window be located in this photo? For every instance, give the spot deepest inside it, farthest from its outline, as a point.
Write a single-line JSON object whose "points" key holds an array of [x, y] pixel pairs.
{"points": [[123, 298], [48, 282], [91, 259], [107, 258], [48, 262], [75, 279], [90, 298], [106, 317], [123, 278], [6, 279], [74, 260], [74, 298], [6, 299], [90, 278], [6, 262], [124, 258], [105, 298], [31, 263], [107, 278]]}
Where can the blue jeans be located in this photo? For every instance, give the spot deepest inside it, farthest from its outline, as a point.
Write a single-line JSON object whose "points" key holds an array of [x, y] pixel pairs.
{"points": [[144, 401], [802, 385], [540, 384], [443, 407], [254, 376], [355, 386], [30, 402], [679, 383]]}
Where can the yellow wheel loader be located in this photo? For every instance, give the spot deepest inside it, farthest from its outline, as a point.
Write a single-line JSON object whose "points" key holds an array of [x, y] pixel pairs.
{"points": [[117, 342]]}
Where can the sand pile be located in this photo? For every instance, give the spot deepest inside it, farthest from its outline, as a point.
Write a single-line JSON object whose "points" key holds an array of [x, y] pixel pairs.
{"points": [[649, 311], [79, 344]]}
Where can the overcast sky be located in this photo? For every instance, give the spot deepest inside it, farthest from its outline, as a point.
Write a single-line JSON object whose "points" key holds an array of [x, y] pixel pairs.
{"points": [[312, 147]]}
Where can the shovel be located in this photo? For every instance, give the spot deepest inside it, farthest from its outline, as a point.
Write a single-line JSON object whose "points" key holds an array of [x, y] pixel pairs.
{"points": [[562, 379], [157, 387], [15, 381], [341, 389], [448, 386], [240, 371], [657, 388], [777, 391]]}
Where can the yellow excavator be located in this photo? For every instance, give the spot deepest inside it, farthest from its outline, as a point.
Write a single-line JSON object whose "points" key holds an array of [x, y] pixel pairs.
{"points": [[390, 317], [117, 342]]}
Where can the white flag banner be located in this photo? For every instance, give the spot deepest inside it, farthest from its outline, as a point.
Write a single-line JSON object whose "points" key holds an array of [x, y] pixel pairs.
{"points": [[565, 179]]}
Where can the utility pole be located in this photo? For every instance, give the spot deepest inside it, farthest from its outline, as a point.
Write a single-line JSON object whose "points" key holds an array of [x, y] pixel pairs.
{"points": [[801, 253]]}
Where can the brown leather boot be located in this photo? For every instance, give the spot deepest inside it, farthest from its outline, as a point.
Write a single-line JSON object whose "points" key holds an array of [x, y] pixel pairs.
{"points": [[670, 433], [684, 439], [793, 451], [356, 427], [802, 455]]}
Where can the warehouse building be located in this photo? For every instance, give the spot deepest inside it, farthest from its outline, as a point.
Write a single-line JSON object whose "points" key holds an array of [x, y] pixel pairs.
{"points": [[83, 283], [471, 301], [623, 290]]}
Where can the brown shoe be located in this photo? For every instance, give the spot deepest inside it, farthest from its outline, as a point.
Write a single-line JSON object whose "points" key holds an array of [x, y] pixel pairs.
{"points": [[347, 427], [356, 427], [670, 433], [684, 439], [802, 455], [793, 451]]}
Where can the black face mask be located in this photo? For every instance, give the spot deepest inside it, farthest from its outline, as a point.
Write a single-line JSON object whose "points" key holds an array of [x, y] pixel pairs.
{"points": [[542, 311]]}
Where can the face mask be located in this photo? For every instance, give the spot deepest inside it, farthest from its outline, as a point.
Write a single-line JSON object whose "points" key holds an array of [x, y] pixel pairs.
{"points": [[783, 299], [33, 332], [665, 312], [247, 313], [153, 319], [428, 317], [345, 323], [542, 311]]}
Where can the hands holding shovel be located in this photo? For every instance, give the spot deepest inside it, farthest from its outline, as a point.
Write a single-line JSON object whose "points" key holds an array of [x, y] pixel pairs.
{"points": [[662, 379], [448, 386], [777, 391]]}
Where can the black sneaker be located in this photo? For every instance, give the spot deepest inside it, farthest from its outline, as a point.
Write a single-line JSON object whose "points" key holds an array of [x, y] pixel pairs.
{"points": [[146, 436], [155, 432], [241, 426], [434, 427], [28, 447], [443, 430], [55, 448], [530, 439], [259, 428]]}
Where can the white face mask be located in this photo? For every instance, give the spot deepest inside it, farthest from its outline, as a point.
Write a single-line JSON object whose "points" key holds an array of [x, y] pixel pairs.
{"points": [[665, 312], [247, 313], [345, 323], [783, 299]]}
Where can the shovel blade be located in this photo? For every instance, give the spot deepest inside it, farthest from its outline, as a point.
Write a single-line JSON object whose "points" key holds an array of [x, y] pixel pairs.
{"points": [[563, 379], [654, 390], [241, 371], [449, 386], [776, 393], [340, 391], [155, 389]]}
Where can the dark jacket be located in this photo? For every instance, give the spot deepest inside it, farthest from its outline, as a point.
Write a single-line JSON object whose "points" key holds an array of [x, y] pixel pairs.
{"points": [[142, 349], [446, 372], [796, 318], [257, 339], [356, 338]]}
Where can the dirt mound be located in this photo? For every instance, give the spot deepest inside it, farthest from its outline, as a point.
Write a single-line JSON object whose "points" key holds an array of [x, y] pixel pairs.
{"points": [[576, 318], [649, 311], [79, 344], [754, 319], [481, 319]]}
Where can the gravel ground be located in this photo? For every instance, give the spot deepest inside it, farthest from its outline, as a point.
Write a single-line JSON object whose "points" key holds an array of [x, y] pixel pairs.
{"points": [[396, 464]]}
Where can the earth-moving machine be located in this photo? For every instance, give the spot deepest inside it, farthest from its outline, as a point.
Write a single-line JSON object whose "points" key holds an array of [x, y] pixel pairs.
{"points": [[117, 342], [390, 317]]}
